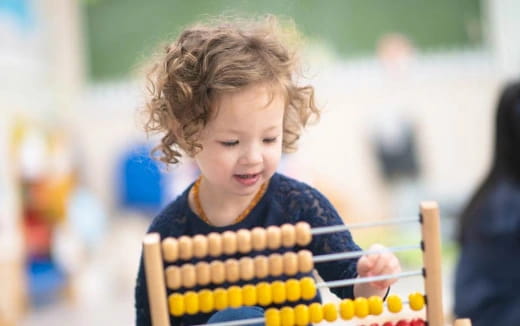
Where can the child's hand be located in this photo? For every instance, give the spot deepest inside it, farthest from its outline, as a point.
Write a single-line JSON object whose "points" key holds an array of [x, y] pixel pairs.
{"points": [[382, 263]]}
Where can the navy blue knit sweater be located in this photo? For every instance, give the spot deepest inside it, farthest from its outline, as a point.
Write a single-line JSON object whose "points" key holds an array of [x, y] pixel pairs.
{"points": [[285, 201]]}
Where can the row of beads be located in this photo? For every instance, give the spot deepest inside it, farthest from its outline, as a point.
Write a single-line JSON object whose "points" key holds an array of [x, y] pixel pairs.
{"points": [[232, 270], [415, 300], [242, 241], [263, 294], [402, 322], [347, 309], [316, 312]]}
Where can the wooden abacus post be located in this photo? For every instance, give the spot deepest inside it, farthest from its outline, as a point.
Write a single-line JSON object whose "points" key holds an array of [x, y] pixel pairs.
{"points": [[430, 229], [155, 280], [462, 322]]}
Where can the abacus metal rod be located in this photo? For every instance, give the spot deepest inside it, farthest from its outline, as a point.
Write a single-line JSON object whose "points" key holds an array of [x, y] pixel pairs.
{"points": [[354, 254], [247, 321], [346, 282], [346, 227], [331, 284]]}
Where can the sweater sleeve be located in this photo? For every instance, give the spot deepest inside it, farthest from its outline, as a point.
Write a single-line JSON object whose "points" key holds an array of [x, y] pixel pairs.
{"points": [[142, 310], [319, 212]]}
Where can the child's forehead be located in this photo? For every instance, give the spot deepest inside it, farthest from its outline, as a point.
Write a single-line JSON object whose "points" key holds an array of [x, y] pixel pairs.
{"points": [[256, 94]]}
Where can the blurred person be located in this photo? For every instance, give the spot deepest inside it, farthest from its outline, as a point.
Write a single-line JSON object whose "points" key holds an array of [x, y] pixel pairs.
{"points": [[487, 279], [226, 96]]}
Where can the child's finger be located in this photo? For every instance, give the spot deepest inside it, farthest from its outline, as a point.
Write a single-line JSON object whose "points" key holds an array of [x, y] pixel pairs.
{"points": [[364, 265]]}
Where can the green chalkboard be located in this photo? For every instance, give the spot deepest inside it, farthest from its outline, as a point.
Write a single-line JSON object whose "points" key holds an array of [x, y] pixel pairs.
{"points": [[121, 32]]}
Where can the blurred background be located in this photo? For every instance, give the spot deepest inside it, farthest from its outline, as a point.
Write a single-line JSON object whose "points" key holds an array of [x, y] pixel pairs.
{"points": [[408, 90]]}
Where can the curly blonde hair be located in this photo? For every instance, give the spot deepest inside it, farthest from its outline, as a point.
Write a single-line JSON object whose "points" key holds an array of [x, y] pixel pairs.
{"points": [[213, 59]]}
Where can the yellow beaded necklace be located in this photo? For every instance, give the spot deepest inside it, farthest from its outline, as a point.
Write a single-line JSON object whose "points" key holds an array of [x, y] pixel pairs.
{"points": [[204, 217]]}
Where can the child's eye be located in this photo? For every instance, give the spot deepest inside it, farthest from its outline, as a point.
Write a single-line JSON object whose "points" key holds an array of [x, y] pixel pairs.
{"points": [[270, 140], [229, 143]]}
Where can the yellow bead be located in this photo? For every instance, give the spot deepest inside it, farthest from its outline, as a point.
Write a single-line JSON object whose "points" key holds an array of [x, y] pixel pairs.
{"points": [[416, 301], [278, 290], [330, 312], [287, 316], [301, 315], [176, 303], [191, 300], [263, 294], [249, 295], [375, 305], [307, 288], [272, 317], [235, 296], [220, 296], [347, 309], [394, 303], [315, 312], [361, 307], [292, 290], [206, 302]]}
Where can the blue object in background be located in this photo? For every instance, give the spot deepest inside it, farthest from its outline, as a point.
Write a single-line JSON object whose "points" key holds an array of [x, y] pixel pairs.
{"points": [[141, 182], [46, 281]]}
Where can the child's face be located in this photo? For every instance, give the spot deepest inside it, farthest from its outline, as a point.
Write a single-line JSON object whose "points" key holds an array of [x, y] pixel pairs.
{"points": [[242, 145]]}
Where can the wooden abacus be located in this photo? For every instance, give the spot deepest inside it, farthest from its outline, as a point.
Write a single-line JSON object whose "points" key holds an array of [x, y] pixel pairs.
{"points": [[264, 294]]}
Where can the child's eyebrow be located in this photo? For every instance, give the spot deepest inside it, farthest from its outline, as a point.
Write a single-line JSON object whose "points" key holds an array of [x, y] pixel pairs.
{"points": [[236, 131]]}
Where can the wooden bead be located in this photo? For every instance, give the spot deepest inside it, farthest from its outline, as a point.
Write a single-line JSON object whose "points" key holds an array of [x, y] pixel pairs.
{"points": [[287, 316], [235, 296], [375, 305], [188, 276], [361, 307], [176, 304], [249, 295], [416, 301], [173, 277], [221, 298], [247, 268], [303, 234], [203, 272], [330, 312], [272, 317], [191, 302], [288, 235], [170, 249], [347, 309], [290, 263], [275, 265], [394, 303], [274, 237], [206, 301], [200, 246], [214, 244], [258, 238], [185, 247], [232, 270], [229, 242], [261, 266], [292, 288], [301, 314], [264, 295], [218, 272], [305, 262], [315, 312], [244, 241], [307, 288], [278, 291]]}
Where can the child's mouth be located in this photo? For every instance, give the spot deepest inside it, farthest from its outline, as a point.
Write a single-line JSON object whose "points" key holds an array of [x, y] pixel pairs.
{"points": [[247, 179]]}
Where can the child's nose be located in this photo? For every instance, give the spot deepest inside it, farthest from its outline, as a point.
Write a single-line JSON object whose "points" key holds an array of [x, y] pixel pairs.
{"points": [[251, 155]]}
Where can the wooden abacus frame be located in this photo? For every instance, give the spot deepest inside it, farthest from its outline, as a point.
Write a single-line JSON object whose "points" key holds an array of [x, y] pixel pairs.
{"points": [[431, 248]]}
